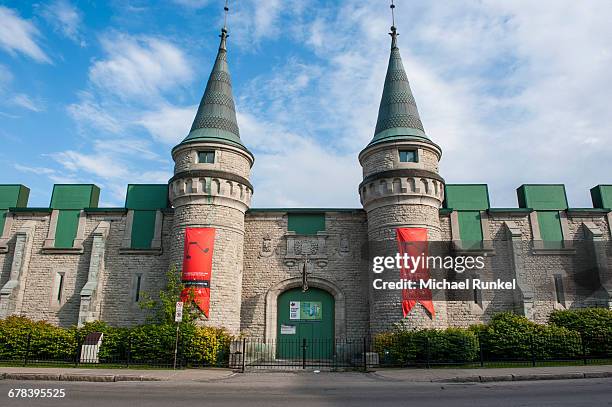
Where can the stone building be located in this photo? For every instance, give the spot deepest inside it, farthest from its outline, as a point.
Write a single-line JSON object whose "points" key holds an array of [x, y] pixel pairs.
{"points": [[74, 262]]}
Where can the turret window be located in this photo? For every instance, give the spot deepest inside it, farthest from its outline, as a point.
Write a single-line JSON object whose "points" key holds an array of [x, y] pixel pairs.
{"points": [[408, 156], [206, 157]]}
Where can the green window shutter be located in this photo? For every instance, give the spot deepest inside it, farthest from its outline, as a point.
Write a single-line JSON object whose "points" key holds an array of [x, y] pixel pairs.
{"points": [[66, 230], [550, 229], [3, 214], [470, 228], [306, 223], [143, 229]]}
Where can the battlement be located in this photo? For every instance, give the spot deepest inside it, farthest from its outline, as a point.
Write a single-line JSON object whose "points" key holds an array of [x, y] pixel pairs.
{"points": [[70, 205]]}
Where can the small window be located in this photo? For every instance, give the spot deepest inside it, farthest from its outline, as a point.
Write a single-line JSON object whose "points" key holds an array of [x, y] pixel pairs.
{"points": [[60, 288], [206, 157], [137, 293], [559, 291], [408, 156]]}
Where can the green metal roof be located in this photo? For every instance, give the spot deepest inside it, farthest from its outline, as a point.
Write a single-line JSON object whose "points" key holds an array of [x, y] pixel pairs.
{"points": [[398, 117], [215, 120]]}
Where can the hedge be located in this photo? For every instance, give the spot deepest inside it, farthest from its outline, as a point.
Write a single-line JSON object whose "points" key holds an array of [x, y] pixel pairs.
{"points": [[404, 347], [593, 324], [509, 336], [46, 341], [506, 337], [145, 344]]}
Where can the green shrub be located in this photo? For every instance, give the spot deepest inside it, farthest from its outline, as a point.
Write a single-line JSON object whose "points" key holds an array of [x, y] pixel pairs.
{"points": [[507, 336], [207, 346], [593, 324], [590, 322], [405, 347], [152, 343], [44, 341], [510, 336]]}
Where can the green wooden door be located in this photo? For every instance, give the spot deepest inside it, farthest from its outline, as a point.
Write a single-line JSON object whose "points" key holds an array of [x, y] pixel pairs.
{"points": [[305, 315]]}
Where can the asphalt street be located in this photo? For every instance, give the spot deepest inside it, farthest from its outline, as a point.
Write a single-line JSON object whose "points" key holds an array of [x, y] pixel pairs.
{"points": [[310, 389]]}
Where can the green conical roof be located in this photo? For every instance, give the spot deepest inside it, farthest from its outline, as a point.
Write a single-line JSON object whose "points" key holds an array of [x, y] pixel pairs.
{"points": [[215, 120], [398, 117]]}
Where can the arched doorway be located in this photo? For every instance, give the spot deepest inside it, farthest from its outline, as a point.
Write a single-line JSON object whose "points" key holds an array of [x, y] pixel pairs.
{"points": [[305, 315]]}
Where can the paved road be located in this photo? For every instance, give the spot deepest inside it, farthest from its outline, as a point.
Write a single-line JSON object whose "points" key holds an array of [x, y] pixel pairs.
{"points": [[325, 389]]}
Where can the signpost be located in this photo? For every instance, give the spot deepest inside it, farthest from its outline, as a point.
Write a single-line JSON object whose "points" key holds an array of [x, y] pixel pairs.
{"points": [[178, 317]]}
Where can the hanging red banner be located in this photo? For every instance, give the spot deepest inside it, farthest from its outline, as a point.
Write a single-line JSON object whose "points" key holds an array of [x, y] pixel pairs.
{"points": [[413, 242], [197, 266]]}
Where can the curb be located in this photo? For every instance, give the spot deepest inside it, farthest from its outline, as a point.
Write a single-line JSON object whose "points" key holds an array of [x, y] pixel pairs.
{"points": [[525, 377], [77, 377]]}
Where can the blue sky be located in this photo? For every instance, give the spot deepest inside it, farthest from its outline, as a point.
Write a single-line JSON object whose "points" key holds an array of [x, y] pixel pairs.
{"points": [[514, 92]]}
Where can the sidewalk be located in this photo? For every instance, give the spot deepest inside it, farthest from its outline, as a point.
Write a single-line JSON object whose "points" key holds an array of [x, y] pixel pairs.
{"points": [[494, 375], [112, 375], [399, 375]]}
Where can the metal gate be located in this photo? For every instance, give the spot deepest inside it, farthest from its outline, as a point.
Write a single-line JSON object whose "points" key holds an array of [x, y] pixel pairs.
{"points": [[314, 354]]}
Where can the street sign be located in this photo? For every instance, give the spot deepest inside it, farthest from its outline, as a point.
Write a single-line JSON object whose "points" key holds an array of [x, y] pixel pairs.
{"points": [[178, 316]]}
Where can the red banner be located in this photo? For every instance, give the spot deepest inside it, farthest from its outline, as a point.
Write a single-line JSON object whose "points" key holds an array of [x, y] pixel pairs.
{"points": [[197, 266], [413, 242]]}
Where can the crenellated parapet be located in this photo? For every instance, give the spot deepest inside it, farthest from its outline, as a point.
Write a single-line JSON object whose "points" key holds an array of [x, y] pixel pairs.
{"points": [[407, 186]]}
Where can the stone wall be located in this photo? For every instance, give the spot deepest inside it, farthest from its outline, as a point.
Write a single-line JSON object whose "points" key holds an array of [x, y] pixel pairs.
{"points": [[116, 291], [266, 266], [339, 262]]}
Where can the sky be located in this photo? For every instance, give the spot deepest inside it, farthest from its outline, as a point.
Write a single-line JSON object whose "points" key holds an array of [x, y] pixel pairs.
{"points": [[514, 91]]}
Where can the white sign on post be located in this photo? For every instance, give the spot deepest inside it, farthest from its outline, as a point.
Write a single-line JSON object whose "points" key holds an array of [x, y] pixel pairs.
{"points": [[178, 316], [294, 310]]}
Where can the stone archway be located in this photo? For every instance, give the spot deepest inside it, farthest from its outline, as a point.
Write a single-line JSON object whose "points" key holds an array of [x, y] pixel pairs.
{"points": [[276, 290]]}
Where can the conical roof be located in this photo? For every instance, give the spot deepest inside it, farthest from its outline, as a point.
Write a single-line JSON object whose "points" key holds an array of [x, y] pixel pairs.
{"points": [[215, 120], [398, 117]]}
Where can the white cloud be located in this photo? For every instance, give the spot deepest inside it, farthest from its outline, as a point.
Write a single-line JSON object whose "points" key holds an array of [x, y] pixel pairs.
{"points": [[139, 67], [289, 169], [514, 93], [168, 124], [89, 114], [65, 18], [26, 102], [100, 165], [111, 164], [35, 170], [19, 35]]}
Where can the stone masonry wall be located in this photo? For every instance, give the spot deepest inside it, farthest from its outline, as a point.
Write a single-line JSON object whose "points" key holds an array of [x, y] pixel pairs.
{"points": [[265, 267], [116, 296], [226, 279], [235, 293]]}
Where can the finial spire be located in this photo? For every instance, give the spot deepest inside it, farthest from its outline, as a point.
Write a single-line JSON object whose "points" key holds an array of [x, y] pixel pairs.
{"points": [[224, 34], [398, 116], [226, 9], [393, 32], [215, 120]]}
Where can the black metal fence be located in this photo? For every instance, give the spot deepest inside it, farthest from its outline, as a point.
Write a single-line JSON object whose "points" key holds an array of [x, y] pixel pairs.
{"points": [[161, 351], [402, 351]]}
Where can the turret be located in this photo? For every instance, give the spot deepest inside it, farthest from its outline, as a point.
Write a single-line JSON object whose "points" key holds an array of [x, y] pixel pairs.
{"points": [[401, 187], [211, 189]]}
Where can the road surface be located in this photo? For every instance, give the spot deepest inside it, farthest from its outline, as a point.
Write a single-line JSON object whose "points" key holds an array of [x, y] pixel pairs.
{"points": [[310, 389]]}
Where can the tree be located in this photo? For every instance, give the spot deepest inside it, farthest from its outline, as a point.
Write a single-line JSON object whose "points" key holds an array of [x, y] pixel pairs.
{"points": [[165, 305]]}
